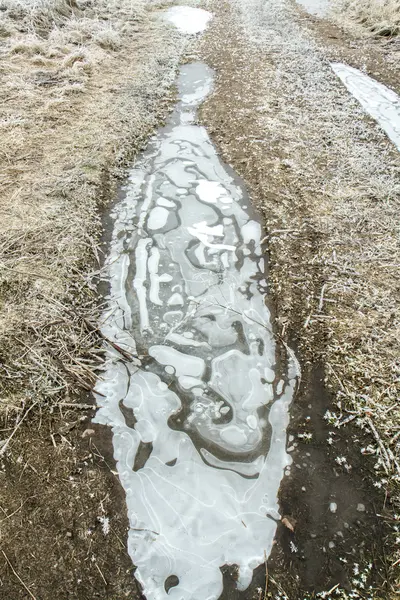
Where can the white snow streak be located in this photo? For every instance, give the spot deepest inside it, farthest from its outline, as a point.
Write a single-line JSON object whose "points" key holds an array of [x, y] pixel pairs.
{"points": [[381, 103]]}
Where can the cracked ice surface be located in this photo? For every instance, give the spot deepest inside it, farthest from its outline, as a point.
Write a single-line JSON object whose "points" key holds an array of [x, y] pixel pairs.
{"points": [[200, 422]]}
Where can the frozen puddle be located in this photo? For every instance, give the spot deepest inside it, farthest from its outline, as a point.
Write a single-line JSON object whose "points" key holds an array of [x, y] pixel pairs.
{"points": [[199, 422], [381, 103], [188, 19], [318, 8]]}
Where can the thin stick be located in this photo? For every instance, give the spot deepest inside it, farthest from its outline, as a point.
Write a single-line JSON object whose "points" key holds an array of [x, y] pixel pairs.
{"points": [[18, 577], [5, 445], [124, 353], [102, 576], [17, 510], [266, 576], [396, 563], [376, 435], [77, 406], [321, 298]]}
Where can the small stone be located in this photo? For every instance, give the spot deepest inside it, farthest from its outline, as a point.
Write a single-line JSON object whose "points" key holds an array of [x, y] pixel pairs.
{"points": [[88, 432]]}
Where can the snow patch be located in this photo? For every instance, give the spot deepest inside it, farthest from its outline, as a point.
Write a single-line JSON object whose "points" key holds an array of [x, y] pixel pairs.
{"points": [[381, 103]]}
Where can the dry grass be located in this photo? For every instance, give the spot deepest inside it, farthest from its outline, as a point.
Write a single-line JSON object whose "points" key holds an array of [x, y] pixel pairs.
{"points": [[371, 17], [82, 85]]}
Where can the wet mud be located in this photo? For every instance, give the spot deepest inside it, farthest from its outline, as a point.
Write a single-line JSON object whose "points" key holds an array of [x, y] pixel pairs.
{"points": [[333, 524], [66, 522]]}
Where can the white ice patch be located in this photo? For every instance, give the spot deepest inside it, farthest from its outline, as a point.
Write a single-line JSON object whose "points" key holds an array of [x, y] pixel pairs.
{"points": [[318, 8], [198, 230], [167, 203], [158, 218], [183, 364], [213, 192], [188, 19], [381, 103], [187, 289]]}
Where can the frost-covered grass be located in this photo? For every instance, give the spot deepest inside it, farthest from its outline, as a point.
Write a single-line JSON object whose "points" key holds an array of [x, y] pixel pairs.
{"points": [[81, 86], [374, 17], [52, 22]]}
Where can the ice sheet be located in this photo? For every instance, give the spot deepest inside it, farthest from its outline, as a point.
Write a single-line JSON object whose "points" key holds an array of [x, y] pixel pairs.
{"points": [[187, 289]]}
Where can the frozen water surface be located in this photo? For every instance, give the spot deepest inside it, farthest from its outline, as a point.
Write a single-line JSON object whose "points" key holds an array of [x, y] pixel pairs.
{"points": [[381, 103], [318, 8], [188, 19], [199, 422]]}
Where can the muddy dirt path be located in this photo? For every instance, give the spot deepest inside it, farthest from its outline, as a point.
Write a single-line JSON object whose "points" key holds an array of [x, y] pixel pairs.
{"points": [[199, 416], [202, 408], [236, 261]]}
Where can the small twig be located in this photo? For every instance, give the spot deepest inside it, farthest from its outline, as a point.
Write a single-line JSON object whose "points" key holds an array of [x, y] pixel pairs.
{"points": [[395, 438], [347, 420], [332, 589], [276, 231], [280, 588], [266, 576], [118, 538], [376, 435], [321, 298], [396, 563], [124, 353], [99, 455], [338, 380], [80, 406], [6, 443], [17, 576], [102, 576], [13, 513]]}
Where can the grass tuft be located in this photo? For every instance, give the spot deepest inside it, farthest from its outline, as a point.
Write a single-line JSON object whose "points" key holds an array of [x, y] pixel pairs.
{"points": [[379, 18]]}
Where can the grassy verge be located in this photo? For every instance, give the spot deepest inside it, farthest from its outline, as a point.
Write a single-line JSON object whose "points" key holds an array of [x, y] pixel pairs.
{"points": [[82, 85], [371, 17]]}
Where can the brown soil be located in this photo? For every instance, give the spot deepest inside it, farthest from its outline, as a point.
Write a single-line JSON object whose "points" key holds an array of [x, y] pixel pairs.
{"points": [[58, 486]]}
